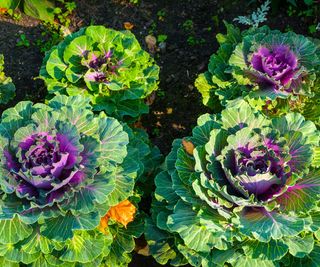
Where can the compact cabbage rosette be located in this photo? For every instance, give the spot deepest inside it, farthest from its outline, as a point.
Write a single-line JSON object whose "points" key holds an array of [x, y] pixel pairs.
{"points": [[65, 175], [106, 65], [243, 190], [275, 72]]}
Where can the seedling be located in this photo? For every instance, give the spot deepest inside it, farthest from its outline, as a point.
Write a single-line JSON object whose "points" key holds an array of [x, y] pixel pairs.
{"points": [[162, 38], [23, 41]]}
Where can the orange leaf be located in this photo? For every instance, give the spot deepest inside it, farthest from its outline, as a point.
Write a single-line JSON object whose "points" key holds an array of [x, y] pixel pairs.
{"points": [[103, 224], [128, 25], [3, 10], [188, 146], [123, 213]]}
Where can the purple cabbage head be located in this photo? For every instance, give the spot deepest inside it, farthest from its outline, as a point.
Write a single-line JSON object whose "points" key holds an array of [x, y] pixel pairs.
{"points": [[106, 65], [62, 168], [47, 164], [57, 158], [240, 186], [275, 72], [277, 63]]}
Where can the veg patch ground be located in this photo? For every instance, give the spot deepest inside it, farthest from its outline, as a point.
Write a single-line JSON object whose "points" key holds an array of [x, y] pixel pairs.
{"points": [[190, 27]]}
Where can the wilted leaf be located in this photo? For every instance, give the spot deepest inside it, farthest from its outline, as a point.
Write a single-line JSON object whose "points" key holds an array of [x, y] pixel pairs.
{"points": [[145, 251], [150, 99], [138, 124], [151, 43], [188, 146], [3, 10], [128, 25]]}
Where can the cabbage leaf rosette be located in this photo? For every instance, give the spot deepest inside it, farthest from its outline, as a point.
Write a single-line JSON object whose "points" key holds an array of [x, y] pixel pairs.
{"points": [[242, 191], [7, 88], [67, 179], [275, 72], [106, 65]]}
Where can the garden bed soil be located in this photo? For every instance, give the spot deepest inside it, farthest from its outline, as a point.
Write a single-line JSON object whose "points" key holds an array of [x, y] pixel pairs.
{"points": [[177, 105]]}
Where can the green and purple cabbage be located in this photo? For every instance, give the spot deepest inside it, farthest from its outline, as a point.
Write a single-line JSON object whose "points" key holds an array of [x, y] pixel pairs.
{"points": [[106, 65], [7, 88], [61, 169], [275, 72], [243, 190]]}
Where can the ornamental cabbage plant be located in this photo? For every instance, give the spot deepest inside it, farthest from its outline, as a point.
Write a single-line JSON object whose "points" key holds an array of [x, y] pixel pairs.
{"points": [[275, 72], [67, 177], [243, 190], [106, 65], [7, 88]]}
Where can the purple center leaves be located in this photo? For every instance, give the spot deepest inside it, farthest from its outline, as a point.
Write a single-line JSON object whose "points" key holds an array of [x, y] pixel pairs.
{"points": [[278, 64], [44, 165], [260, 169], [101, 67], [257, 156]]}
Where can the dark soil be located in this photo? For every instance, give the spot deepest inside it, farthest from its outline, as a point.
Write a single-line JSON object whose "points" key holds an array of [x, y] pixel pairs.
{"points": [[178, 104]]}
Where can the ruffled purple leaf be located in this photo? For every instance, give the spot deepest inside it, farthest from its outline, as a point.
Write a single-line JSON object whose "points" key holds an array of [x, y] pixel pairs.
{"points": [[46, 162], [98, 77], [277, 66]]}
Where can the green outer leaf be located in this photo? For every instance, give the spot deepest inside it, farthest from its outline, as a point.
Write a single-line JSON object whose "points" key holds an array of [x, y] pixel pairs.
{"points": [[113, 140], [20, 112], [184, 165], [12, 231], [123, 179], [246, 262], [239, 113], [185, 221], [301, 153], [164, 190], [220, 257], [83, 248], [4, 262], [300, 246], [273, 250], [14, 254], [61, 228], [310, 260], [10, 4], [207, 91], [123, 242], [238, 58], [73, 52], [40, 10], [218, 140], [294, 122], [37, 243], [60, 101], [7, 91], [193, 257], [131, 108], [161, 243], [201, 133], [264, 225], [55, 66]]}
